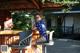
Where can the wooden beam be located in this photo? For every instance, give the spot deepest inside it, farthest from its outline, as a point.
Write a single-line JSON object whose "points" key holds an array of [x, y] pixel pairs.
{"points": [[36, 4], [26, 4], [52, 5], [17, 5]]}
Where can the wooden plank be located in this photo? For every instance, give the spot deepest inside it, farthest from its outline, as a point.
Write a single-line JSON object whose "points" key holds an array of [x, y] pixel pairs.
{"points": [[36, 4], [8, 32], [17, 5], [9, 40]]}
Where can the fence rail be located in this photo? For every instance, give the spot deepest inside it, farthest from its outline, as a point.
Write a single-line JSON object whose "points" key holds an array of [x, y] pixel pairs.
{"points": [[66, 29]]}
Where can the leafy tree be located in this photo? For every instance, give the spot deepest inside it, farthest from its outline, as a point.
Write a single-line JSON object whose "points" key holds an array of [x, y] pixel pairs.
{"points": [[22, 20]]}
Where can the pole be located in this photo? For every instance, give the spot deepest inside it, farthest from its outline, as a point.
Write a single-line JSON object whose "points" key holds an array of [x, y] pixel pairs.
{"points": [[20, 50], [45, 49]]}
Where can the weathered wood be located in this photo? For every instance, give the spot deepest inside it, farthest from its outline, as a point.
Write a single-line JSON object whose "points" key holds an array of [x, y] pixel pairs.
{"points": [[17, 5], [9, 37], [8, 32], [26, 4]]}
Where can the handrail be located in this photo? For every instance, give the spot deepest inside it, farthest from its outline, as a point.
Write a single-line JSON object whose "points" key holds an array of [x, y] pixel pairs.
{"points": [[25, 39]]}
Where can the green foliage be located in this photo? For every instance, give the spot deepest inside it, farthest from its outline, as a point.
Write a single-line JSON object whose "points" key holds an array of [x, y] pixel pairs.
{"points": [[21, 21]]}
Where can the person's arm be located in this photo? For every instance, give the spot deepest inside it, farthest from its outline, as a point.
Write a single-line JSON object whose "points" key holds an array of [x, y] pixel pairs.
{"points": [[34, 28]]}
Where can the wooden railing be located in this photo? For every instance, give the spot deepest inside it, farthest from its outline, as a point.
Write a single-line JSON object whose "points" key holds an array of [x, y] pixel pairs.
{"points": [[9, 37]]}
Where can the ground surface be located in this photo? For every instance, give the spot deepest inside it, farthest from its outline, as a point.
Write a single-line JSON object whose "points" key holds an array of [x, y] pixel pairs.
{"points": [[64, 46]]}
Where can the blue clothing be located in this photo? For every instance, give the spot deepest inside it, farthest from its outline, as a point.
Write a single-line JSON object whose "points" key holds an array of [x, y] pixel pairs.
{"points": [[42, 28]]}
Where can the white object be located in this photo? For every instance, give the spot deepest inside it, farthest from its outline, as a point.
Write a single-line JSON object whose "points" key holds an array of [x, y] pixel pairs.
{"points": [[51, 42], [4, 48]]}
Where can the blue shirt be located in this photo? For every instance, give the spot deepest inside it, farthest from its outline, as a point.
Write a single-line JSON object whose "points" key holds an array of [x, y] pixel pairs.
{"points": [[41, 26]]}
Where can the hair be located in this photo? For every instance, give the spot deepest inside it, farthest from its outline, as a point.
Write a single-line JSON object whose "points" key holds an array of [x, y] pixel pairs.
{"points": [[38, 13]]}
